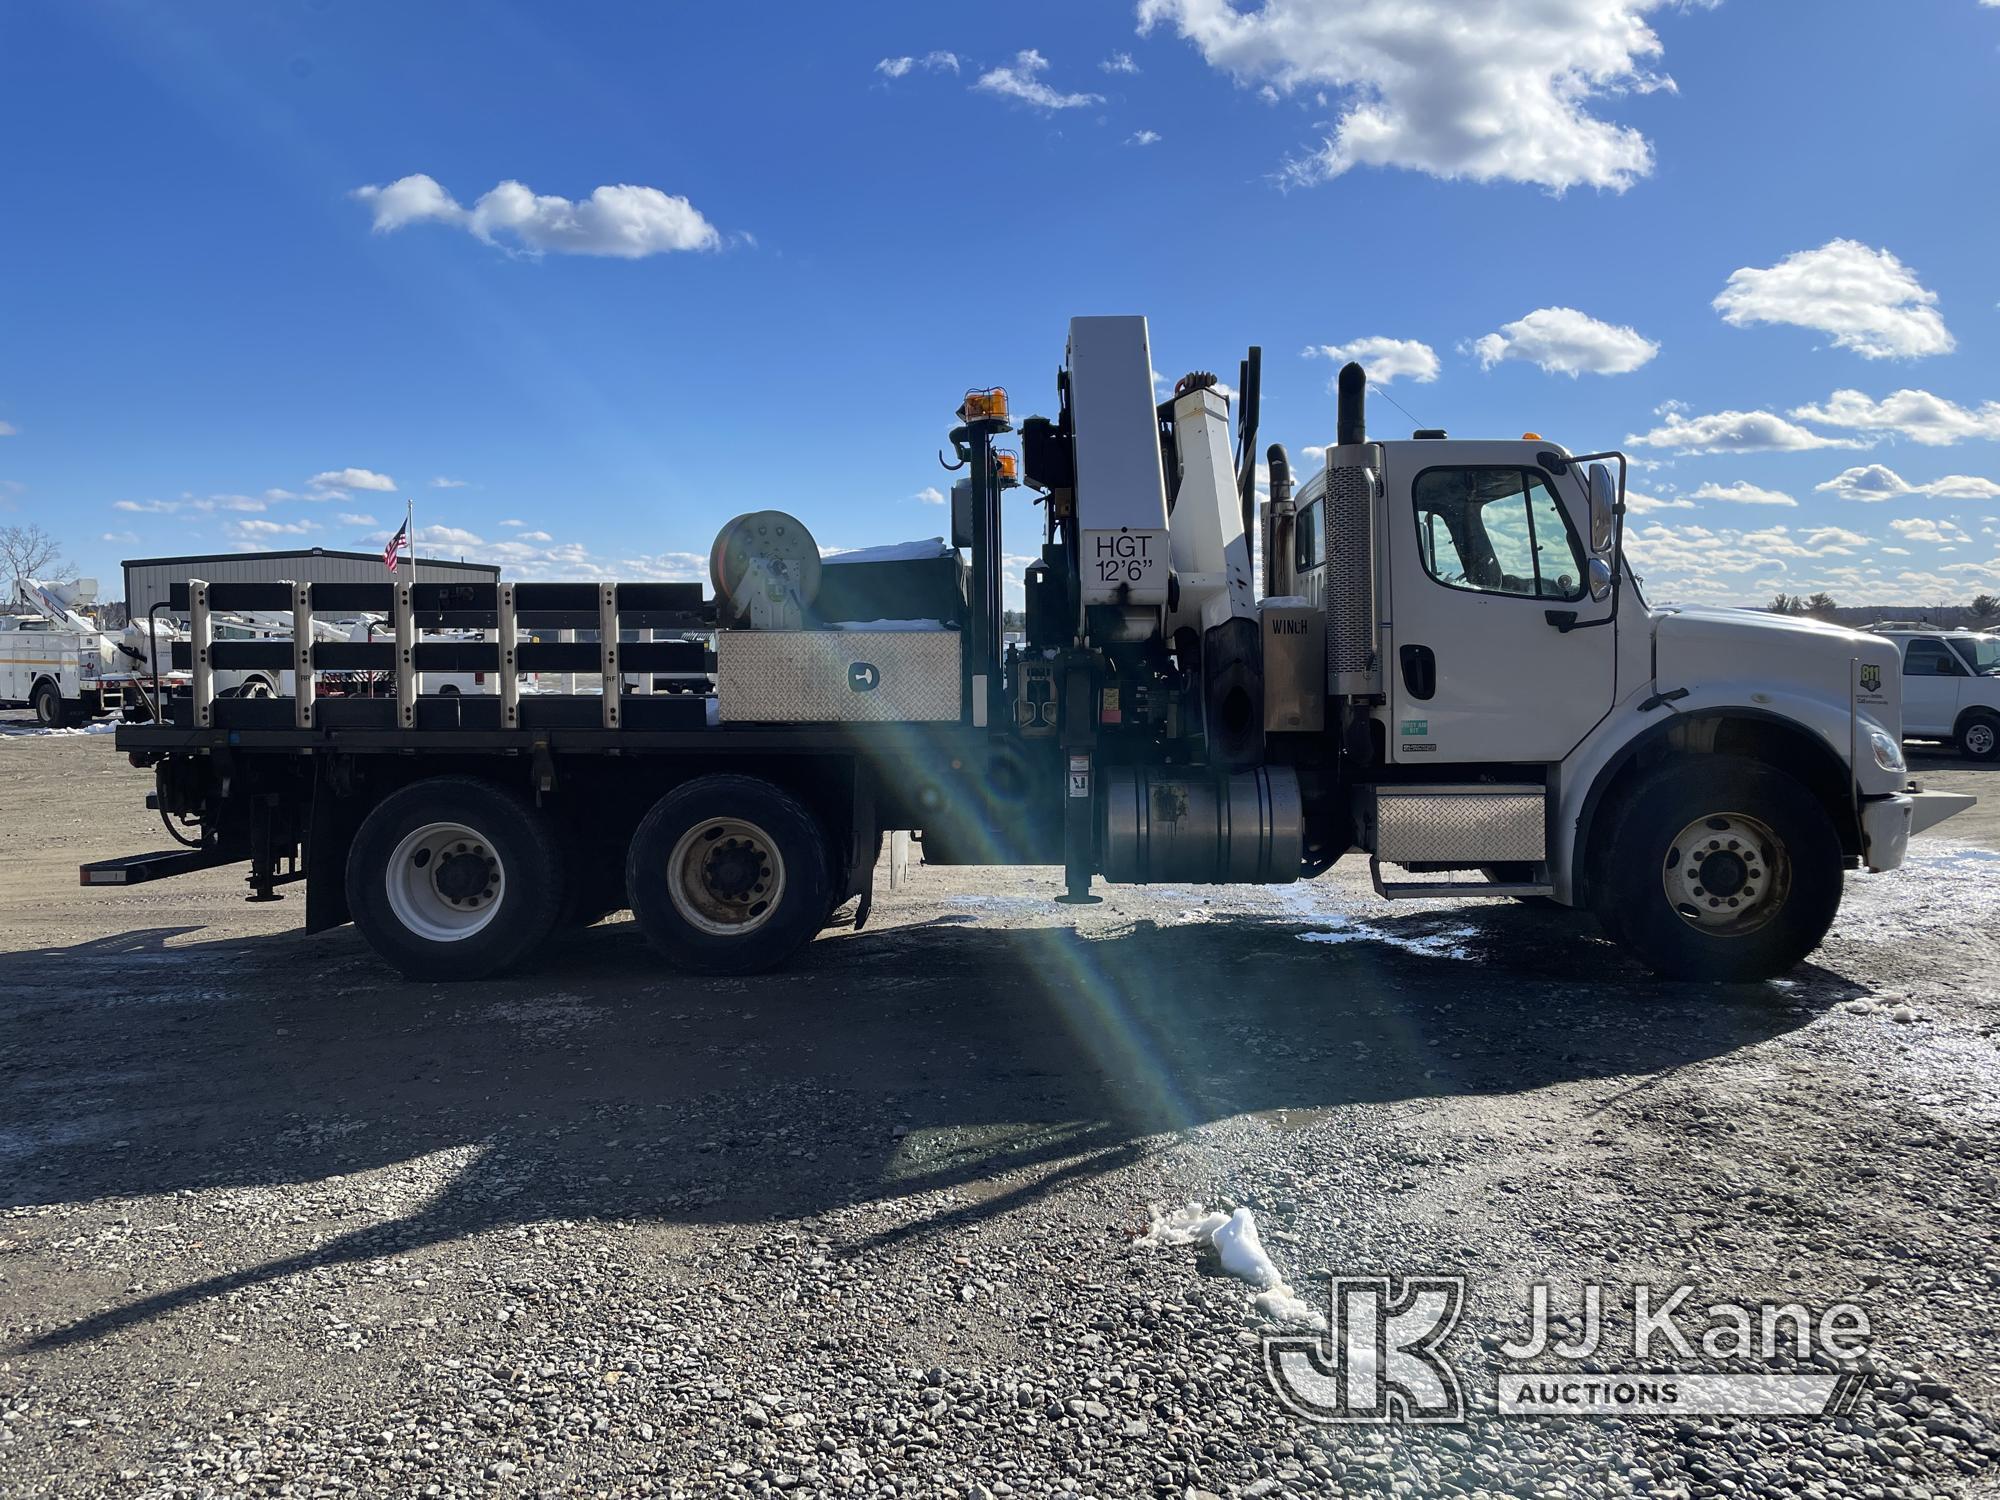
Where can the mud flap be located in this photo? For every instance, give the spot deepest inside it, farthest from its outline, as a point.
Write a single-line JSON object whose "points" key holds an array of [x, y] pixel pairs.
{"points": [[329, 835], [864, 847]]}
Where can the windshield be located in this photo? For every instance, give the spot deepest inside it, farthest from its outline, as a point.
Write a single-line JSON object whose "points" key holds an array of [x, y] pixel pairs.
{"points": [[1979, 652]]}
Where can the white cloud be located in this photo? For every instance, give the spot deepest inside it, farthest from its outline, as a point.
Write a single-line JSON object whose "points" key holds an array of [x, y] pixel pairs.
{"points": [[271, 528], [1564, 341], [623, 221], [1872, 483], [1742, 493], [1734, 432], [348, 518], [1917, 415], [1502, 90], [535, 536], [351, 479], [1923, 529], [930, 62], [205, 505], [8, 429], [930, 494], [1640, 504], [442, 483], [125, 537], [513, 523], [1020, 82], [1867, 299], [1143, 138], [447, 536], [1121, 62], [280, 495], [1384, 359], [1728, 566]]}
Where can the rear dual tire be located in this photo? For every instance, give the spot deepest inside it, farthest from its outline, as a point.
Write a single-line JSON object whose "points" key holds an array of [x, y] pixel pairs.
{"points": [[50, 712], [454, 878], [729, 875]]}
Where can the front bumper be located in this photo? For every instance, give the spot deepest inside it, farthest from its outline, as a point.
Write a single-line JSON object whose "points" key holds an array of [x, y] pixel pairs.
{"points": [[1887, 823]]}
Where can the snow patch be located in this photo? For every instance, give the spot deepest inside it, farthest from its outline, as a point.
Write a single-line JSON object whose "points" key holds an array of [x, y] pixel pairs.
{"points": [[31, 730], [889, 624], [1237, 1245], [1448, 943], [894, 552]]}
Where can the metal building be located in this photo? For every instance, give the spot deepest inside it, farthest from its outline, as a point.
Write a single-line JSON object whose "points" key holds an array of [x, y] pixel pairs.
{"points": [[147, 579]]}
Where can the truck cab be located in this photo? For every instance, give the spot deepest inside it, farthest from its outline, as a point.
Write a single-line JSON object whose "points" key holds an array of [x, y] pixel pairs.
{"points": [[1527, 722]]}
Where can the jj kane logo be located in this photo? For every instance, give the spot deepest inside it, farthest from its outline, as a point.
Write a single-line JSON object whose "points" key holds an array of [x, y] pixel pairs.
{"points": [[1382, 1358]]}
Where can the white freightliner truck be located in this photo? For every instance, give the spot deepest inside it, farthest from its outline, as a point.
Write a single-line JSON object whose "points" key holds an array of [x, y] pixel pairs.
{"points": [[1448, 670]]}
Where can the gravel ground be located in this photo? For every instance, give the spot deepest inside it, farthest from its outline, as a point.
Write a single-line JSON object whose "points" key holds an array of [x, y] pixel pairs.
{"points": [[277, 1223]]}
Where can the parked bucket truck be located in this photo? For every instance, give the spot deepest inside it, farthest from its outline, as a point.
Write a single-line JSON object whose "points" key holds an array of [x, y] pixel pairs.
{"points": [[55, 660], [1449, 671]]}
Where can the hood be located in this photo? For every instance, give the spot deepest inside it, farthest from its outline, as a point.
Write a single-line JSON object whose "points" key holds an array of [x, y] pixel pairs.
{"points": [[1703, 647]]}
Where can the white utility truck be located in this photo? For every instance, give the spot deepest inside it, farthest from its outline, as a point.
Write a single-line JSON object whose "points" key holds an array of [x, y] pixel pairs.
{"points": [[55, 660], [1448, 670], [1951, 686]]}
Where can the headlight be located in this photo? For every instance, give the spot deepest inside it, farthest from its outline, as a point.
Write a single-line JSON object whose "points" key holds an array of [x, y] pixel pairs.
{"points": [[1888, 754]]}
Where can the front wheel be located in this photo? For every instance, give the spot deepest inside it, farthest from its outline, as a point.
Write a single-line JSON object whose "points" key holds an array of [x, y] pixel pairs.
{"points": [[1979, 737], [728, 875], [1719, 868], [454, 878]]}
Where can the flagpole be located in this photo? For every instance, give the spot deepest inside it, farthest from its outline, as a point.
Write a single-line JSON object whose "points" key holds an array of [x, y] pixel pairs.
{"points": [[410, 530]]}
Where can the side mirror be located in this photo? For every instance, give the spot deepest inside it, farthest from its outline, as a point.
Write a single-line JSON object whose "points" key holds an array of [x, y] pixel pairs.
{"points": [[1600, 579], [1603, 512]]}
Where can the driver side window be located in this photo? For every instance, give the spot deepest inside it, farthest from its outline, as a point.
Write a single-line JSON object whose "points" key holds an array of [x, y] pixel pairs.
{"points": [[1497, 531]]}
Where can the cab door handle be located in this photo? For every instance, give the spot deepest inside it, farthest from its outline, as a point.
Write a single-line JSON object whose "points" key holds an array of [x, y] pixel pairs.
{"points": [[1420, 671]]}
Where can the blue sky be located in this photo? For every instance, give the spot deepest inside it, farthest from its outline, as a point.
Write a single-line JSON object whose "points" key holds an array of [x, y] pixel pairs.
{"points": [[822, 225]]}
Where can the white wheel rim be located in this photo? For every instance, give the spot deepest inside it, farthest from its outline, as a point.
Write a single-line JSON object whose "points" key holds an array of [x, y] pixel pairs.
{"points": [[1727, 874], [1979, 739], [726, 877], [435, 883]]}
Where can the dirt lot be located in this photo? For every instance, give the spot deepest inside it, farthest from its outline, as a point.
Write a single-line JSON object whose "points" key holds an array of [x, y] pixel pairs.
{"points": [[276, 1222]]}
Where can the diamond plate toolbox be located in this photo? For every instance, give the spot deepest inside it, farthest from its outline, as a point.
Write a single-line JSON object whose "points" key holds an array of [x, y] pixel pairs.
{"points": [[837, 676], [1452, 825]]}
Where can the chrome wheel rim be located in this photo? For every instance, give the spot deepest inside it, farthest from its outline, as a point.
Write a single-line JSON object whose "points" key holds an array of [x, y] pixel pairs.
{"points": [[445, 882], [1727, 874], [726, 877], [1979, 739]]}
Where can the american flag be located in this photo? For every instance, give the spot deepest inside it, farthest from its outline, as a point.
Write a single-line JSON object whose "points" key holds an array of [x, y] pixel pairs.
{"points": [[396, 545]]}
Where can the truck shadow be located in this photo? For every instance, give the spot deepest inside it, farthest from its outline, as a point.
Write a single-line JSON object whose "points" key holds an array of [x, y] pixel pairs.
{"points": [[938, 1072]]}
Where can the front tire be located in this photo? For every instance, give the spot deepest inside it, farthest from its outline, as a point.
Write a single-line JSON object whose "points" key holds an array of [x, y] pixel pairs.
{"points": [[728, 875], [1719, 868], [1979, 737], [454, 878]]}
